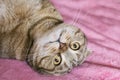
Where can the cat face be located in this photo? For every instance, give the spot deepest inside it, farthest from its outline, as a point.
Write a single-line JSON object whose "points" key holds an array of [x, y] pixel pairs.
{"points": [[59, 50]]}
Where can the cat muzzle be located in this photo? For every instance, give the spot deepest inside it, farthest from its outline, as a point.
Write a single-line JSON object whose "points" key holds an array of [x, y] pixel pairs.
{"points": [[63, 47]]}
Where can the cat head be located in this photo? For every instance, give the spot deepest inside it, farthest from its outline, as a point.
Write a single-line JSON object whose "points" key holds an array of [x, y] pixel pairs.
{"points": [[58, 50]]}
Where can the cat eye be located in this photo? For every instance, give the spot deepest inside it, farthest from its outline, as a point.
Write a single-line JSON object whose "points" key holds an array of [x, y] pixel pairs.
{"points": [[57, 60], [75, 46]]}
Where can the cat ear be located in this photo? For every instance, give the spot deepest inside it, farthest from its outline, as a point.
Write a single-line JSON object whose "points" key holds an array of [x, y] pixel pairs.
{"points": [[88, 52], [85, 54]]}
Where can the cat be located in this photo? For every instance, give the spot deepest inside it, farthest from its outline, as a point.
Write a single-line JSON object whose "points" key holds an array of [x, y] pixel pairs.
{"points": [[34, 31]]}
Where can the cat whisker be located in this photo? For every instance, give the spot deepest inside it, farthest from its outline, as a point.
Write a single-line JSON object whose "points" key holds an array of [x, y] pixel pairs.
{"points": [[76, 17]]}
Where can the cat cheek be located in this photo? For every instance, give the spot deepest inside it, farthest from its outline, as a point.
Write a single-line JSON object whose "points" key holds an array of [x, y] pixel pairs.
{"points": [[47, 64], [30, 59]]}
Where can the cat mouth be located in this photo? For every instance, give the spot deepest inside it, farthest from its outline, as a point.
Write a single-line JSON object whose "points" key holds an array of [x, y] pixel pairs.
{"points": [[62, 46]]}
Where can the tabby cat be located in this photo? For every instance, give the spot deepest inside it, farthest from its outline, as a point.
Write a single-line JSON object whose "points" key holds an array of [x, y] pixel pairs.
{"points": [[33, 31]]}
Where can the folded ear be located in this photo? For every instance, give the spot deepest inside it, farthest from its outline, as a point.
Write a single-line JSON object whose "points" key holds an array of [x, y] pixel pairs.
{"points": [[85, 54], [88, 52]]}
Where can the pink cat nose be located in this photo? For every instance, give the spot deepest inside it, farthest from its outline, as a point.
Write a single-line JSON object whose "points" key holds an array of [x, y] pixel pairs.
{"points": [[63, 47]]}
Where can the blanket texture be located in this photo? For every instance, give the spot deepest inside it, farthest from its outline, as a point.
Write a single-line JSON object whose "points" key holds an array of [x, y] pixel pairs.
{"points": [[100, 20]]}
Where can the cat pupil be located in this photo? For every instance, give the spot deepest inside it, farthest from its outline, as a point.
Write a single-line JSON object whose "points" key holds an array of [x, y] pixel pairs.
{"points": [[56, 60], [75, 46]]}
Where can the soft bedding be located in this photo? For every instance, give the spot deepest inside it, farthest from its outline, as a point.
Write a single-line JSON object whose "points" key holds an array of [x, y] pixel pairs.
{"points": [[100, 21]]}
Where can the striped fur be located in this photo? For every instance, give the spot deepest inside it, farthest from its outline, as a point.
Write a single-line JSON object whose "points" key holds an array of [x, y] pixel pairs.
{"points": [[34, 31]]}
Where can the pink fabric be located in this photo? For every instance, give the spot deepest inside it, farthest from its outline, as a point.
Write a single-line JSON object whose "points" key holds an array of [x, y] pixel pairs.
{"points": [[100, 20]]}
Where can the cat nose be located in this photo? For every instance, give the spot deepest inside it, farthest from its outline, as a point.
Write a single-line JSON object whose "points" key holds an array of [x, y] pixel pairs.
{"points": [[63, 47]]}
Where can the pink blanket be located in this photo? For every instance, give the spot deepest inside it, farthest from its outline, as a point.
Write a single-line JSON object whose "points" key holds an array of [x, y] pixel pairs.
{"points": [[100, 20]]}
